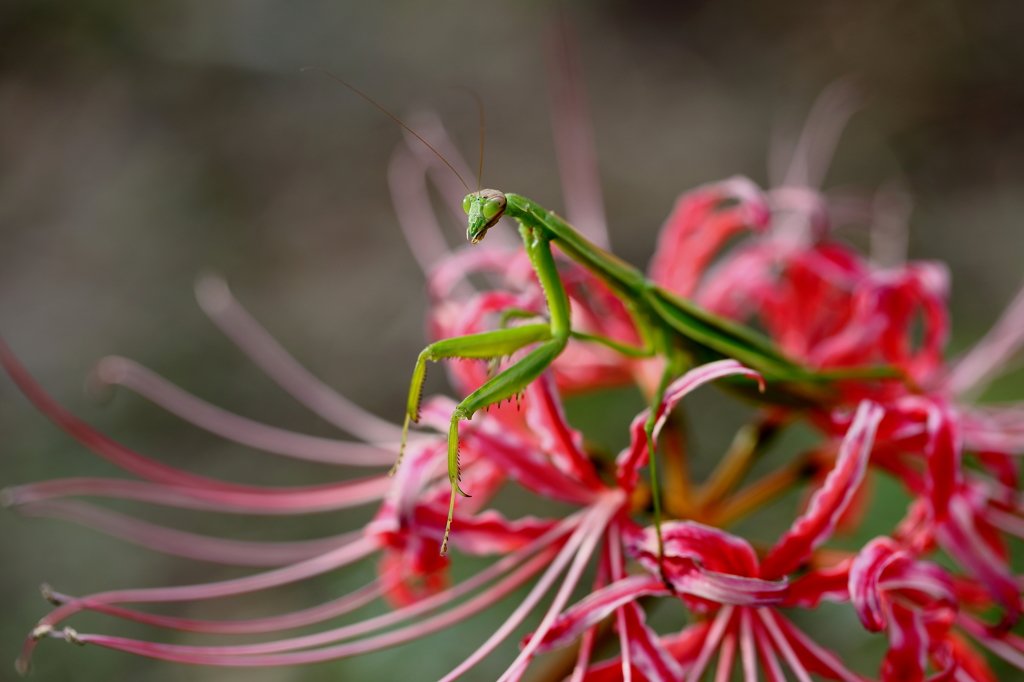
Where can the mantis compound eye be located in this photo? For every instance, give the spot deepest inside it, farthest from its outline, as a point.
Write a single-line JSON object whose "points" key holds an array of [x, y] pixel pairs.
{"points": [[493, 208], [467, 203]]}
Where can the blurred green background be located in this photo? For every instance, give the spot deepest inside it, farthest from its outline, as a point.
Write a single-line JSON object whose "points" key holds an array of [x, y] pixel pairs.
{"points": [[141, 143]]}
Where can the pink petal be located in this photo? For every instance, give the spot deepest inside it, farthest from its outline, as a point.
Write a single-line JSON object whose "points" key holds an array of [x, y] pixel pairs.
{"points": [[865, 576], [546, 418], [907, 657], [127, 373], [984, 361], [690, 547], [815, 526], [597, 606], [700, 224], [296, 619], [646, 652], [770, 666], [721, 623], [1007, 646], [604, 511], [341, 497], [217, 302], [510, 450], [587, 528], [683, 647], [440, 622], [971, 663], [995, 428], [529, 466], [714, 548], [782, 645], [524, 566], [635, 457], [319, 565], [482, 534], [181, 543], [961, 538], [943, 454], [808, 307], [234, 494], [738, 285]]}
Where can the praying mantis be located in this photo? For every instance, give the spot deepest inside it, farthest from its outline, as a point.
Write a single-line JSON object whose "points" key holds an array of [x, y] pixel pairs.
{"points": [[679, 331]]}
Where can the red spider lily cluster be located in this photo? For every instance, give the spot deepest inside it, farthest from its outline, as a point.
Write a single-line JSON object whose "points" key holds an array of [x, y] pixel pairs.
{"points": [[823, 304]]}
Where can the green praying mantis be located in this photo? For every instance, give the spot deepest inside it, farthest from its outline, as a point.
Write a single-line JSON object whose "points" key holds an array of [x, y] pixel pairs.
{"points": [[670, 327], [678, 330]]}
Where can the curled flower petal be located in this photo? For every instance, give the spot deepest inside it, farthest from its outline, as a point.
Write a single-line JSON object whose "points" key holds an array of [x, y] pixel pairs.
{"points": [[828, 504], [700, 223], [707, 563], [883, 566], [962, 539], [865, 575], [907, 657], [635, 457]]}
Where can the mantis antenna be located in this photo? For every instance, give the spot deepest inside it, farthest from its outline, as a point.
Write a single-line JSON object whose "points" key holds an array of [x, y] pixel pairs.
{"points": [[480, 108], [413, 132], [480, 171]]}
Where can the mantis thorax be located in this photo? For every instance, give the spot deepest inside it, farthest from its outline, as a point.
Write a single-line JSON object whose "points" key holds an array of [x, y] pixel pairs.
{"points": [[485, 208]]}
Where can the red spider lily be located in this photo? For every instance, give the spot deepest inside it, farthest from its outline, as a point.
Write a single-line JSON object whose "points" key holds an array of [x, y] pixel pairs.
{"points": [[914, 602], [718, 575]]}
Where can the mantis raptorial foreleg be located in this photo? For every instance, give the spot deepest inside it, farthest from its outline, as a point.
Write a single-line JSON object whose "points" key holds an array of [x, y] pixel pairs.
{"points": [[510, 382], [503, 386], [513, 380], [483, 346]]}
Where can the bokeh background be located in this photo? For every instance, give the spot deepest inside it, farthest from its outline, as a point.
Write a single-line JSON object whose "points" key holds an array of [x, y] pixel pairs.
{"points": [[143, 143]]}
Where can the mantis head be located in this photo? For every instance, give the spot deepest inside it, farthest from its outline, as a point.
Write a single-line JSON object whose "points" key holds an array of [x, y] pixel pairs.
{"points": [[484, 208]]}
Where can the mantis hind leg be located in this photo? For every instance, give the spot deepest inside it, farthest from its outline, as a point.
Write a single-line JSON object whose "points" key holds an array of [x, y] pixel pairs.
{"points": [[505, 385]]}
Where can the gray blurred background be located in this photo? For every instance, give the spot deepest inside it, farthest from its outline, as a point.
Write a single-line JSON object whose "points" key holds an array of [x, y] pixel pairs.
{"points": [[143, 143]]}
